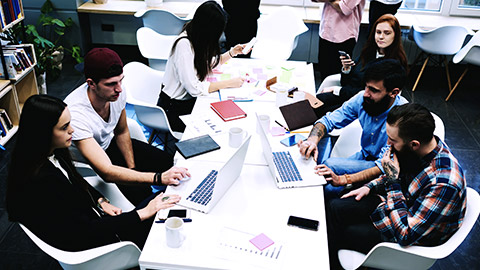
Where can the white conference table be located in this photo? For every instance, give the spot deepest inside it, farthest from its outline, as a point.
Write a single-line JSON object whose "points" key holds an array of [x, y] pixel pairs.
{"points": [[253, 204]]}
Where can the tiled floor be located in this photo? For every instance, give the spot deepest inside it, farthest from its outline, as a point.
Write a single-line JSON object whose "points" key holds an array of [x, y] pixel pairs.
{"points": [[461, 116]]}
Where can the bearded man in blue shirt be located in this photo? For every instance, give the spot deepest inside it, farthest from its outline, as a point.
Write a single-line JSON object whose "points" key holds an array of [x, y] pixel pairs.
{"points": [[384, 80]]}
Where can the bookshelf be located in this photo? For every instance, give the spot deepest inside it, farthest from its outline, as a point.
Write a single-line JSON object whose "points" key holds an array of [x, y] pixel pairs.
{"points": [[18, 83]]}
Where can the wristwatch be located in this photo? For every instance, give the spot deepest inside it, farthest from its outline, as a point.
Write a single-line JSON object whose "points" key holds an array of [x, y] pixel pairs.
{"points": [[349, 182]]}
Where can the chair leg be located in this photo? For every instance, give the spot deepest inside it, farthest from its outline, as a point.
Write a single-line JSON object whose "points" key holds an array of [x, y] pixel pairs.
{"points": [[152, 136], [448, 74], [458, 82], [420, 74]]}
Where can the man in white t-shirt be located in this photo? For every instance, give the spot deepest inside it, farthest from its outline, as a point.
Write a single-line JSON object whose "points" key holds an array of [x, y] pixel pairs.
{"points": [[102, 136]]}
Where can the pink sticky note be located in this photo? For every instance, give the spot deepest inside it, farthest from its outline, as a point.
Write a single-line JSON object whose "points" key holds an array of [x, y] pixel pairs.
{"points": [[277, 131], [259, 92], [211, 79], [216, 71], [261, 241], [257, 70], [261, 76]]}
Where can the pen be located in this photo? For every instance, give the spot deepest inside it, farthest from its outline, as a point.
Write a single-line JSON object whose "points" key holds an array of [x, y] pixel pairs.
{"points": [[163, 220], [282, 126], [219, 96], [299, 131]]}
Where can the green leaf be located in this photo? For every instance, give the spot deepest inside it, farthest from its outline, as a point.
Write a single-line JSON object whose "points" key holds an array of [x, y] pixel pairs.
{"points": [[58, 22]]}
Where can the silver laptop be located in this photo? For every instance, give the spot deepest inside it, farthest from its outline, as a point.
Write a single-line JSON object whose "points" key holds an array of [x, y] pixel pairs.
{"points": [[288, 168], [210, 180]]}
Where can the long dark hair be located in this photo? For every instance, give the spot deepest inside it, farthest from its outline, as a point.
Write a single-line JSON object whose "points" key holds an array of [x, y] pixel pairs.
{"points": [[394, 51], [39, 116], [204, 32]]}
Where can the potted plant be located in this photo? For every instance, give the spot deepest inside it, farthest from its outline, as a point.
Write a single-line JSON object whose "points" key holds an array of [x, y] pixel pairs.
{"points": [[48, 41]]}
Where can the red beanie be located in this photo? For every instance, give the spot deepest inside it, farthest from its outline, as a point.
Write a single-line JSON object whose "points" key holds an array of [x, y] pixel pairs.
{"points": [[102, 63]]}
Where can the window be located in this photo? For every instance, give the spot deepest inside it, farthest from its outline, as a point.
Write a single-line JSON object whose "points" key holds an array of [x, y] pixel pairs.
{"points": [[465, 7]]}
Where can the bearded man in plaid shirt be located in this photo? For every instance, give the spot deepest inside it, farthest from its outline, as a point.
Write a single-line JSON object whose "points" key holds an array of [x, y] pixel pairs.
{"points": [[420, 200]]}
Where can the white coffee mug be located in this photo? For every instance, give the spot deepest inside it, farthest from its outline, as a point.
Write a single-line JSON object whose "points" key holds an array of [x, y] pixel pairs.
{"points": [[236, 136], [298, 96], [281, 96], [174, 232], [263, 122]]}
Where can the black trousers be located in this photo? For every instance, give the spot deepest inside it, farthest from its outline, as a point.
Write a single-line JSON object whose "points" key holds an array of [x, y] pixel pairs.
{"points": [[147, 159], [378, 9], [349, 226], [174, 108], [328, 57]]}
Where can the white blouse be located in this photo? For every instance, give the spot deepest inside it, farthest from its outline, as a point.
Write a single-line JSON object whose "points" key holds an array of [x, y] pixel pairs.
{"points": [[180, 74]]}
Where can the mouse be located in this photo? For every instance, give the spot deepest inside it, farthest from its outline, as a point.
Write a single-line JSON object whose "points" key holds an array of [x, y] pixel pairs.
{"points": [[186, 178]]}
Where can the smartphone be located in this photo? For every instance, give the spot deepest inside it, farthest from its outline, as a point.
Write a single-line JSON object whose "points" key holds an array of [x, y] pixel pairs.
{"points": [[303, 223], [249, 45], [292, 140], [181, 213], [342, 53]]}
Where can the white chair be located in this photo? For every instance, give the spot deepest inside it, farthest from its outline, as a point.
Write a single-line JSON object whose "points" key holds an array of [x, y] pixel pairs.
{"points": [[470, 54], [393, 256], [348, 142], [332, 80], [122, 255], [161, 21], [443, 41], [277, 34], [155, 47], [143, 86]]}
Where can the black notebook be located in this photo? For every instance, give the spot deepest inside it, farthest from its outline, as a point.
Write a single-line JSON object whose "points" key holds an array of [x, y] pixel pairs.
{"points": [[299, 114], [196, 146]]}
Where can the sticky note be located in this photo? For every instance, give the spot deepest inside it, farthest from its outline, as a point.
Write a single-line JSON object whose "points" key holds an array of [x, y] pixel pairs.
{"points": [[225, 77], [277, 131], [259, 92], [261, 241], [257, 70], [285, 77], [211, 79], [261, 76]]}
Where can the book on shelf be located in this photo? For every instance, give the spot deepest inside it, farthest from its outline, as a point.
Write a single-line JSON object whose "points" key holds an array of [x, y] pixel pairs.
{"points": [[11, 11], [3, 128], [4, 116]]}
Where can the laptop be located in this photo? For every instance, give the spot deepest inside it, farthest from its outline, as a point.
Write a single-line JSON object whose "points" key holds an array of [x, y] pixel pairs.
{"points": [[209, 180], [288, 168]]}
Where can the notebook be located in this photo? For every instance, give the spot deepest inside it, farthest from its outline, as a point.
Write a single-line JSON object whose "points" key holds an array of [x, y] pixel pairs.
{"points": [[299, 114], [228, 110], [196, 146], [288, 168], [209, 180]]}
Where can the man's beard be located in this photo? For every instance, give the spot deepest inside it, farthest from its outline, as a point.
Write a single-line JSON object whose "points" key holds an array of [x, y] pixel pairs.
{"points": [[410, 162], [373, 108]]}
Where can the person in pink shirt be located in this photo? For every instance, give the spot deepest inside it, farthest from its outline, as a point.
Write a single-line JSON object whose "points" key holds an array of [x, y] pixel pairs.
{"points": [[339, 28]]}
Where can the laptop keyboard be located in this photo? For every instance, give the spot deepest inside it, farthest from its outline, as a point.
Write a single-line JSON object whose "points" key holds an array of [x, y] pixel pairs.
{"points": [[203, 193], [286, 167]]}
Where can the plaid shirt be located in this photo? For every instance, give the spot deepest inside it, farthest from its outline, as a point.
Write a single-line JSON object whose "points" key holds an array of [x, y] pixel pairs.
{"points": [[431, 209]]}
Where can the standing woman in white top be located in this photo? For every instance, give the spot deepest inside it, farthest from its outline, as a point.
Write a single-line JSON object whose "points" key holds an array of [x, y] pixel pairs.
{"points": [[194, 55]]}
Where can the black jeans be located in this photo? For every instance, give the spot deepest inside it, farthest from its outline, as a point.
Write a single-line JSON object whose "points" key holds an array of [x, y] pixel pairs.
{"points": [[328, 57], [349, 226], [147, 159], [174, 108]]}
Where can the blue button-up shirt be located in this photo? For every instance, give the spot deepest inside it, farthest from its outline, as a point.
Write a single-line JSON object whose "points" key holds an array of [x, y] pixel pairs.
{"points": [[374, 135]]}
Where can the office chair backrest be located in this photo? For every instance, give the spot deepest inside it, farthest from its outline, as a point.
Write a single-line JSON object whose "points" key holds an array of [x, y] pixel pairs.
{"points": [[121, 255], [393, 256], [445, 40], [142, 83], [162, 21], [277, 34], [470, 53], [155, 47]]}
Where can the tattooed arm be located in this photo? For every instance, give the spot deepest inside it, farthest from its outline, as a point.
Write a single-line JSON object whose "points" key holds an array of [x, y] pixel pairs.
{"points": [[309, 147]]}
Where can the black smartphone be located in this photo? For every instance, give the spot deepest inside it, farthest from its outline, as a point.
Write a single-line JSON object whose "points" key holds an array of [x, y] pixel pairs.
{"points": [[181, 213], [342, 53], [303, 223]]}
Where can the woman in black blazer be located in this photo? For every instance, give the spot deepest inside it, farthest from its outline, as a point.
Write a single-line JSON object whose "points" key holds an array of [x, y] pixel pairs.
{"points": [[47, 195]]}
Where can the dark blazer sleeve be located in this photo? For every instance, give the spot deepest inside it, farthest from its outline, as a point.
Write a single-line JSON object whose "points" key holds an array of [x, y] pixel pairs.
{"points": [[352, 83], [63, 215]]}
